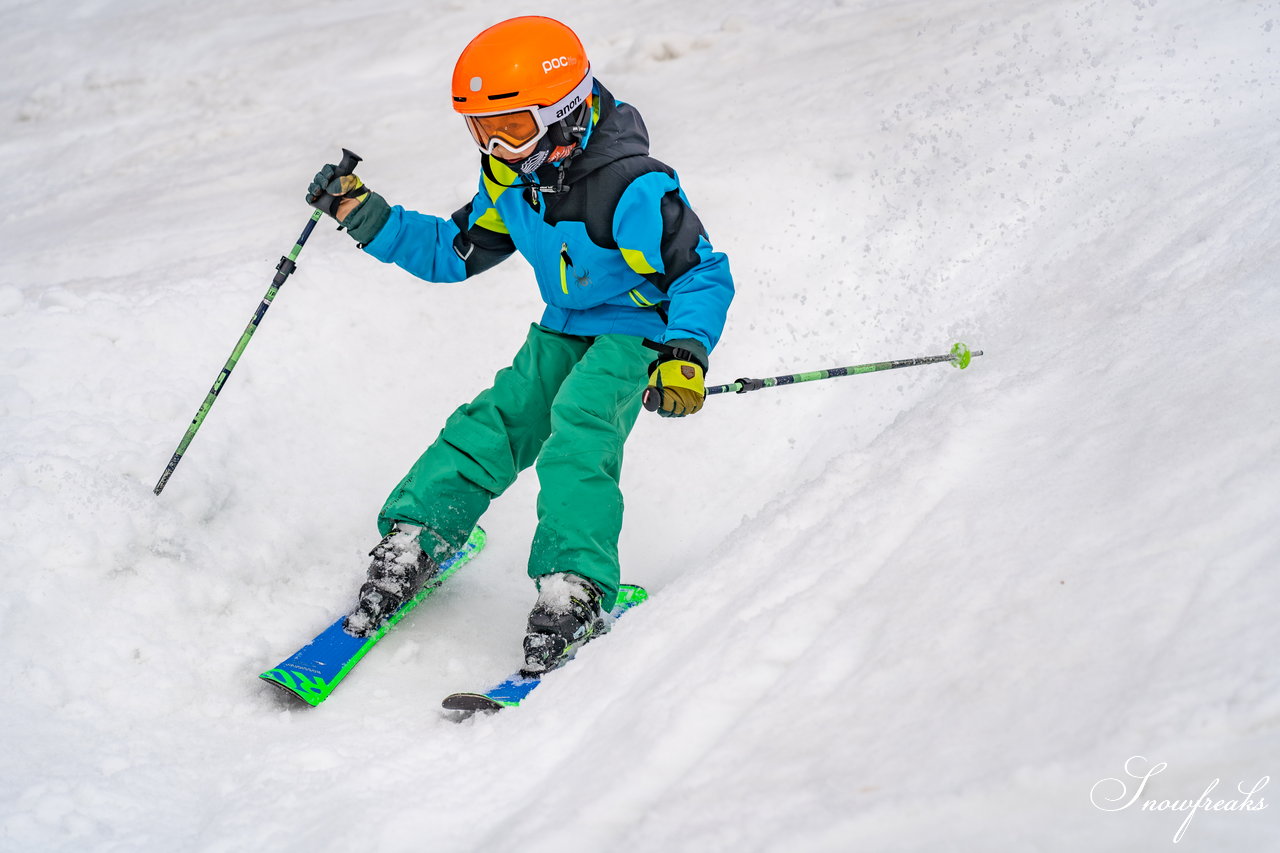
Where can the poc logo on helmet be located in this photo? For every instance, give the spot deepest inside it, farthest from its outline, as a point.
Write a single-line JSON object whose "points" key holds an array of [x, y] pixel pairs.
{"points": [[549, 65]]}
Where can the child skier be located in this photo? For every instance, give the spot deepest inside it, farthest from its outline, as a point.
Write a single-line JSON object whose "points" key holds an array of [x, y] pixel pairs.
{"points": [[566, 180]]}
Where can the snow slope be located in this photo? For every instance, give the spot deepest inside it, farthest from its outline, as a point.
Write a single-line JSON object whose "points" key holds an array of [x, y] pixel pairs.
{"points": [[923, 610]]}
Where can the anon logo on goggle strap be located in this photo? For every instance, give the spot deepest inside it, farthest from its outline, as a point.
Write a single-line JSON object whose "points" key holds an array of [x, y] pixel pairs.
{"points": [[569, 107]]}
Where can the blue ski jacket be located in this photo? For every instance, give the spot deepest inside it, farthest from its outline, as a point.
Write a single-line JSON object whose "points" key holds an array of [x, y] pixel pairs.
{"points": [[612, 240]]}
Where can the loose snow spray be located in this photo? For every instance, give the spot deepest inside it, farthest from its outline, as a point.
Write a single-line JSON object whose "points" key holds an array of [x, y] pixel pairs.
{"points": [[286, 266], [960, 356]]}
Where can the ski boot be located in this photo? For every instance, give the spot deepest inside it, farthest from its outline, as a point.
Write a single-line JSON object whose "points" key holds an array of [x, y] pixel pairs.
{"points": [[566, 615], [399, 569]]}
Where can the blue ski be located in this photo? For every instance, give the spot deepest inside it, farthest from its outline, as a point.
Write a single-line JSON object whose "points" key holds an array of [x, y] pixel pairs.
{"points": [[313, 671], [510, 693]]}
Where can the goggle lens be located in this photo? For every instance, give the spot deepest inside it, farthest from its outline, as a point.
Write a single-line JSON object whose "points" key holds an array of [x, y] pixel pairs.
{"points": [[515, 130]]}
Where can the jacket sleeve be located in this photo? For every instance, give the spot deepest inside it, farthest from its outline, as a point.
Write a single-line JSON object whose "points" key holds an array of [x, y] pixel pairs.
{"points": [[661, 238], [472, 240]]}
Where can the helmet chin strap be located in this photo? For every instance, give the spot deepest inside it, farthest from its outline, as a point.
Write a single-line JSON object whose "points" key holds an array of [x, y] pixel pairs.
{"points": [[560, 187]]}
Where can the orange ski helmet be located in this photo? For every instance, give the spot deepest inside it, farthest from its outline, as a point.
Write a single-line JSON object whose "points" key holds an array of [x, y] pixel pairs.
{"points": [[517, 79]]}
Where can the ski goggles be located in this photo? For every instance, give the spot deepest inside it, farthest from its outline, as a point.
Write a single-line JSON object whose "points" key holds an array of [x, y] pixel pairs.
{"points": [[519, 130]]}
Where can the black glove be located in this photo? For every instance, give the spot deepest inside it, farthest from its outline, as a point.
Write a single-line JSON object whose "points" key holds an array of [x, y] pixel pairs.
{"points": [[345, 197]]}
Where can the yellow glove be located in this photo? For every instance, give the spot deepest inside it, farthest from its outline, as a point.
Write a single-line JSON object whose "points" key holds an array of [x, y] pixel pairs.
{"points": [[676, 384]]}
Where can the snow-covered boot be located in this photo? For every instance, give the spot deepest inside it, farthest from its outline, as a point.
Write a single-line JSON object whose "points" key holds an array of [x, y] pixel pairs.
{"points": [[566, 614], [399, 569]]}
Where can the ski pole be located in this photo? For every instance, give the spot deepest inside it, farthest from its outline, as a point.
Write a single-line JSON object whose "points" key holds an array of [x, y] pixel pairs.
{"points": [[286, 266], [960, 356]]}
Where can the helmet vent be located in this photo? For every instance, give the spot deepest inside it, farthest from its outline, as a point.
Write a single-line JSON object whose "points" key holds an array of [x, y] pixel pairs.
{"points": [[503, 95]]}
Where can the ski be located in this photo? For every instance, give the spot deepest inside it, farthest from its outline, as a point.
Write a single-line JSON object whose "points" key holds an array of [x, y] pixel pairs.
{"points": [[312, 672], [510, 693]]}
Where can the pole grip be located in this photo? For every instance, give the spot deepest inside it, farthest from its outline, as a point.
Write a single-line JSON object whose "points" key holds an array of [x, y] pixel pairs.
{"points": [[346, 166], [350, 160]]}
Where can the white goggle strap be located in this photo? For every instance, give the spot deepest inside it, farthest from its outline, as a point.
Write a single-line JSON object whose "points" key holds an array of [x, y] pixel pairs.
{"points": [[564, 107]]}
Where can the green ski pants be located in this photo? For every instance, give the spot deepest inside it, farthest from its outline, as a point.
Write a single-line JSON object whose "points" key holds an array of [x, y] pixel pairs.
{"points": [[566, 403]]}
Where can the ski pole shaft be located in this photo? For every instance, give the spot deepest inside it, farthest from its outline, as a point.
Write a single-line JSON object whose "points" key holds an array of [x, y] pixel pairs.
{"points": [[288, 263], [959, 356]]}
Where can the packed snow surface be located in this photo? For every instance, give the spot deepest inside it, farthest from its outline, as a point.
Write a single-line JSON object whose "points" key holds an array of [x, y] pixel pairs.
{"points": [[1026, 606]]}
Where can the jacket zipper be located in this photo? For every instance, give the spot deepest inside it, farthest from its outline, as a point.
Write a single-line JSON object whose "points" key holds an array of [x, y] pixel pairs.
{"points": [[565, 263]]}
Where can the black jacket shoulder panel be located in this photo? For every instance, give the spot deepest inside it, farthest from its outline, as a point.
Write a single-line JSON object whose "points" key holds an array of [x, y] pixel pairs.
{"points": [[617, 153]]}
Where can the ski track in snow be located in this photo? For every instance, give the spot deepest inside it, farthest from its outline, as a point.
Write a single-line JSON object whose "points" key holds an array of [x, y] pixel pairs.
{"points": [[921, 610]]}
